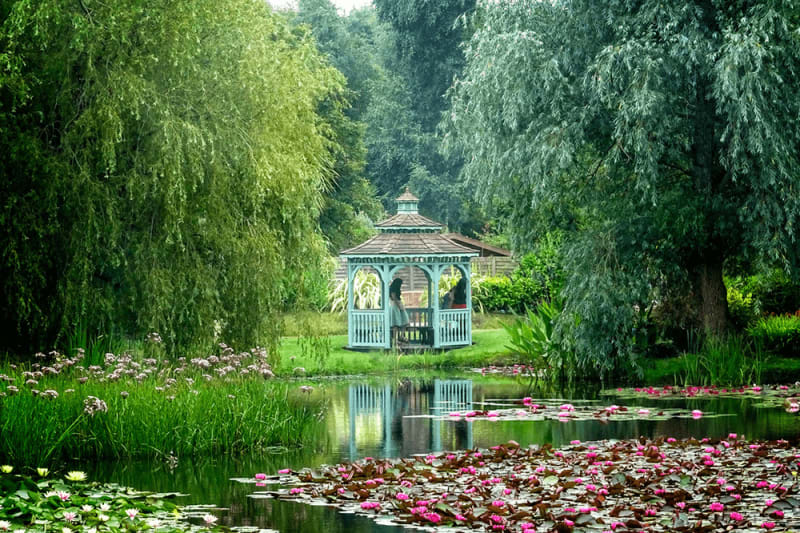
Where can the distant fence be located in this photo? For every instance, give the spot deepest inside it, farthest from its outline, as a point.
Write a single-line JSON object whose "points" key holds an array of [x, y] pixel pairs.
{"points": [[414, 279]]}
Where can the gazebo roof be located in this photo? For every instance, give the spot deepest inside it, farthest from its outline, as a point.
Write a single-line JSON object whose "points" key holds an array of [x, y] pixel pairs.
{"points": [[407, 197], [408, 234], [409, 220], [405, 244]]}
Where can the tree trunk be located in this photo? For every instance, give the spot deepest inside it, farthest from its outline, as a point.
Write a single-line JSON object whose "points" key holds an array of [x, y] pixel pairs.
{"points": [[713, 296]]}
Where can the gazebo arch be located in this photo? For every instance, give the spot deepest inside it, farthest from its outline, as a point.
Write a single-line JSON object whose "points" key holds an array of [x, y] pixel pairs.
{"points": [[409, 239]]}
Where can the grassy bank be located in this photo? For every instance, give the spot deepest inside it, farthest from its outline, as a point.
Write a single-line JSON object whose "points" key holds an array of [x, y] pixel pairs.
{"points": [[55, 410], [672, 371], [327, 356]]}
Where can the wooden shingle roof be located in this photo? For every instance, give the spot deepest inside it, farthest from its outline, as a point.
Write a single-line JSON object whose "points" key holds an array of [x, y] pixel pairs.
{"points": [[409, 220], [418, 244], [407, 197]]}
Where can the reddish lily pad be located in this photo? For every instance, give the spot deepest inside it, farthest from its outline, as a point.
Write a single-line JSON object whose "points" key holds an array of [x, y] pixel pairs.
{"points": [[659, 485]]}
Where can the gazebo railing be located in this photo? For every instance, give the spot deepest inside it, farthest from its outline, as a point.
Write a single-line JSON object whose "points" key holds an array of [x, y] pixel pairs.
{"points": [[420, 326], [367, 327], [455, 327]]}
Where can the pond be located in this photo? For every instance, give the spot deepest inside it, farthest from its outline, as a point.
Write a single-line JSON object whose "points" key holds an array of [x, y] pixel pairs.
{"points": [[391, 418]]}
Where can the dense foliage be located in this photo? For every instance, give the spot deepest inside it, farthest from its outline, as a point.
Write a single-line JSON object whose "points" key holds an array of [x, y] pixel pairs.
{"points": [[162, 167], [539, 278], [663, 135]]}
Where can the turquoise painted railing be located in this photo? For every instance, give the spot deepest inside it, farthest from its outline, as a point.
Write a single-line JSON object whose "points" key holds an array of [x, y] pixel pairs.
{"points": [[455, 327], [367, 327]]}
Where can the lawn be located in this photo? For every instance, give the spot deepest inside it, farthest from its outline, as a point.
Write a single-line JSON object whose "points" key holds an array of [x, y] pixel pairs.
{"points": [[318, 356]]}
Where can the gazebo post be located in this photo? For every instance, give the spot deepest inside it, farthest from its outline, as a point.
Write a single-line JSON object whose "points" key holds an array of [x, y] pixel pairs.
{"points": [[350, 301], [437, 272], [468, 275], [387, 317]]}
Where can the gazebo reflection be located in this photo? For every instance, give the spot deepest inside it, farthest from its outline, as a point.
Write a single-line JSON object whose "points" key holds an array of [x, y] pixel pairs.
{"points": [[401, 436]]}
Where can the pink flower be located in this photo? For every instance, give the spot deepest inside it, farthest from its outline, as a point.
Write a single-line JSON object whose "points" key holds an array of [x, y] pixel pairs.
{"points": [[261, 476], [732, 436], [650, 511], [767, 525], [433, 517], [736, 516], [697, 413], [296, 490], [370, 505], [768, 502], [284, 470], [716, 507], [401, 496], [498, 503], [461, 517], [568, 522]]}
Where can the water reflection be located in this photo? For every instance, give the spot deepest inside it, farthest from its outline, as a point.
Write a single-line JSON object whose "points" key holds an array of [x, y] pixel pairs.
{"points": [[378, 417], [381, 418]]}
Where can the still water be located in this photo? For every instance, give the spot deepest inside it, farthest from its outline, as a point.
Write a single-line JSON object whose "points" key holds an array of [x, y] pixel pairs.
{"points": [[379, 418]]}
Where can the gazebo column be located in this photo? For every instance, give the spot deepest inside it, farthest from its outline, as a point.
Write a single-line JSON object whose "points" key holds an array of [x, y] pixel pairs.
{"points": [[468, 275], [434, 296], [386, 280], [351, 269]]}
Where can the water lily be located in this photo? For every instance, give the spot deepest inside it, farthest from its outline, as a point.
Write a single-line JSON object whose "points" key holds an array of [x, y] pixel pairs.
{"points": [[42, 472], [131, 513], [6, 469], [716, 507], [75, 475], [209, 519]]}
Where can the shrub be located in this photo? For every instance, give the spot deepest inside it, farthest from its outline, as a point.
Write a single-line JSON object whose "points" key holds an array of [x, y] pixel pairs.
{"points": [[533, 337], [779, 335], [772, 291], [744, 309]]}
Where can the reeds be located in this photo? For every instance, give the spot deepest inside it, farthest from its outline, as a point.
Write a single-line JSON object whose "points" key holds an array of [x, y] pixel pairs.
{"points": [[181, 410]]}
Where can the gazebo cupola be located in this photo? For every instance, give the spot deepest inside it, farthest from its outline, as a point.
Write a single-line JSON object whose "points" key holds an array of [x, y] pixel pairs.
{"points": [[408, 239]]}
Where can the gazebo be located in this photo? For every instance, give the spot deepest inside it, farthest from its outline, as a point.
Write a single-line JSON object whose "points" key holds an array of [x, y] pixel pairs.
{"points": [[405, 240]]}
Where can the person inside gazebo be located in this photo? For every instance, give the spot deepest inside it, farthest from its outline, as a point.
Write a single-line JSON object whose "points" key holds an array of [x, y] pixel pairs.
{"points": [[460, 295], [399, 319]]}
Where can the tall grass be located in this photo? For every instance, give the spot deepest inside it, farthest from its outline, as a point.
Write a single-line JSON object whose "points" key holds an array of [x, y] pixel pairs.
{"points": [[732, 360], [148, 420]]}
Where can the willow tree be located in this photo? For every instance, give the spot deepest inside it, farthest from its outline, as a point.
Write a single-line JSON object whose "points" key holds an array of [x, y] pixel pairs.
{"points": [[164, 167], [665, 133]]}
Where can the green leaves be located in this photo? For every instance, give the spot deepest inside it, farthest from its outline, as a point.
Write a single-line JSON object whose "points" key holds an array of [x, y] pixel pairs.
{"points": [[649, 133], [177, 157]]}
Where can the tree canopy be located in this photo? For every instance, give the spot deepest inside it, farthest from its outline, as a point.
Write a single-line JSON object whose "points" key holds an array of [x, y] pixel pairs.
{"points": [[163, 167], [665, 135]]}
